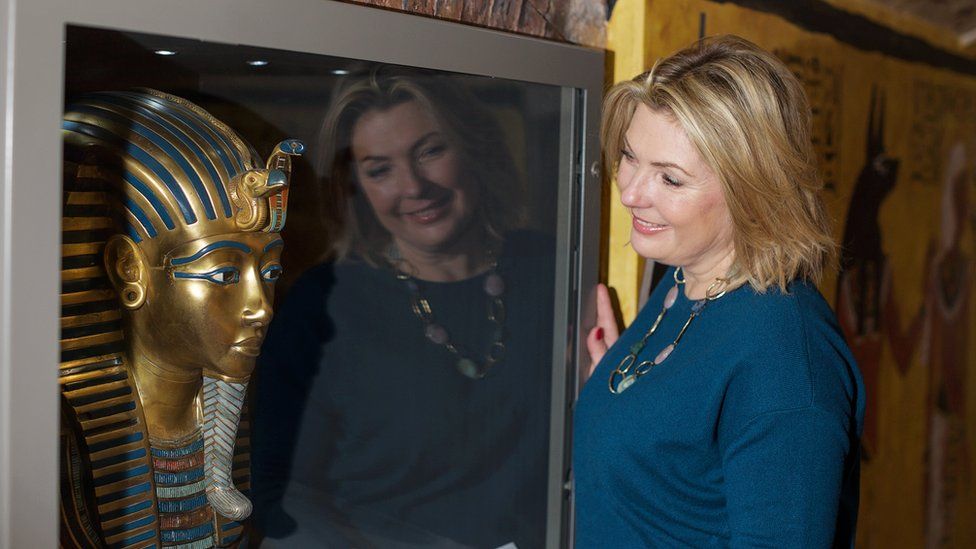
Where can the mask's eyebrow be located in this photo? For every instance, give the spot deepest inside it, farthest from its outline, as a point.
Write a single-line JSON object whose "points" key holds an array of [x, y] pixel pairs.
{"points": [[273, 244], [209, 248]]}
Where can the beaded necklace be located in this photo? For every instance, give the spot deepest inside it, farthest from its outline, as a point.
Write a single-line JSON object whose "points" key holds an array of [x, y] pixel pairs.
{"points": [[626, 373], [466, 364]]}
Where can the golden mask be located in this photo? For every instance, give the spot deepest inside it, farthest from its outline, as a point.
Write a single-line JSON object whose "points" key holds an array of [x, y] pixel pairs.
{"points": [[160, 334]]}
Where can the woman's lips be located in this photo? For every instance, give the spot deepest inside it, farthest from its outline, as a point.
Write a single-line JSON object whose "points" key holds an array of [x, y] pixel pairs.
{"points": [[647, 227], [431, 212]]}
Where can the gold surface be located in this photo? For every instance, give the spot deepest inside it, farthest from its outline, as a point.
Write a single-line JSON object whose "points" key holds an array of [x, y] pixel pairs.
{"points": [[88, 341], [90, 318], [81, 198], [82, 273], [72, 364], [86, 223], [86, 248], [87, 296]]}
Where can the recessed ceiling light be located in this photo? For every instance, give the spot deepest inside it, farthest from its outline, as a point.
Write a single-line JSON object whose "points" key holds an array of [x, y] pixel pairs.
{"points": [[257, 62], [339, 72], [165, 52]]}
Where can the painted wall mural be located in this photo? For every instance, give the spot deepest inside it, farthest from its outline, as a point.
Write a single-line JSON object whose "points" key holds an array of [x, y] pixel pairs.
{"points": [[897, 145], [930, 102], [866, 304], [949, 459], [822, 82]]}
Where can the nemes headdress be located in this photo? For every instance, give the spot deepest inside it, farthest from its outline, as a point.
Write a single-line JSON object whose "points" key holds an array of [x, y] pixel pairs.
{"points": [[178, 167]]}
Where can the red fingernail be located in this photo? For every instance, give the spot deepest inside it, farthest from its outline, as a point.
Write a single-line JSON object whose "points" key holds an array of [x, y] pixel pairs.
{"points": [[599, 334]]}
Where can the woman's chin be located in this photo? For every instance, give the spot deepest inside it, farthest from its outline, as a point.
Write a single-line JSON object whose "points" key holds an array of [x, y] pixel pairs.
{"points": [[447, 235], [649, 250]]}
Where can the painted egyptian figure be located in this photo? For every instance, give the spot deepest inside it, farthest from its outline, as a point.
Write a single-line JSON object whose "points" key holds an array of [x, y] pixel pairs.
{"points": [[952, 273], [170, 253], [867, 303]]}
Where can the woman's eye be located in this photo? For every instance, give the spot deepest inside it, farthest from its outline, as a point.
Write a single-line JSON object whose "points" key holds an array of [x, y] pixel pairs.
{"points": [[432, 152], [626, 155], [271, 273], [377, 171], [670, 181]]}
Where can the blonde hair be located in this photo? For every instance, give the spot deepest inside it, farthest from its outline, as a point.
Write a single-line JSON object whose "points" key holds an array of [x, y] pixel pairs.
{"points": [[749, 119], [464, 119]]}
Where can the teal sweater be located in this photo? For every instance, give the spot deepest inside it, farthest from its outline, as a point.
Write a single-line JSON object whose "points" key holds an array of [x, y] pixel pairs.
{"points": [[746, 436]]}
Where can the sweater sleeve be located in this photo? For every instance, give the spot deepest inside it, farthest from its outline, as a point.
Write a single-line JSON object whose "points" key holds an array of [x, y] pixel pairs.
{"points": [[783, 478]]}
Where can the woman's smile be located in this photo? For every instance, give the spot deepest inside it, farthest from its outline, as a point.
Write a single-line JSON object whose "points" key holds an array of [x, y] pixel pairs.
{"points": [[648, 227], [429, 211]]}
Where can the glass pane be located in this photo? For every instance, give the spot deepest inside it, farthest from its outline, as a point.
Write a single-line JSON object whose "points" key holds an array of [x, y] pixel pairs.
{"points": [[401, 396]]}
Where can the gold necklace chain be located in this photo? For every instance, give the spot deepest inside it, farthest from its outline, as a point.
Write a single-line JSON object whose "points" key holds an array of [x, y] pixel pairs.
{"points": [[629, 370]]}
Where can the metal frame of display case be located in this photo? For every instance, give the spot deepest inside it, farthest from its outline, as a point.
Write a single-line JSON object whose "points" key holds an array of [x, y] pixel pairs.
{"points": [[31, 90]]}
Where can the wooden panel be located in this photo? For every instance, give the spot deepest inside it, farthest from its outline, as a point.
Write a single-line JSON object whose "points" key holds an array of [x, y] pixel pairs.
{"points": [[576, 21]]}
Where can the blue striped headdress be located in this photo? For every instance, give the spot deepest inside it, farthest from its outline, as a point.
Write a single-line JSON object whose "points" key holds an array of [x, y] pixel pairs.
{"points": [[177, 165]]}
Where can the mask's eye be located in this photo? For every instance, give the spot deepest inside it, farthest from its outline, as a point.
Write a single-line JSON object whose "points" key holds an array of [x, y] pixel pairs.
{"points": [[224, 275], [271, 273]]}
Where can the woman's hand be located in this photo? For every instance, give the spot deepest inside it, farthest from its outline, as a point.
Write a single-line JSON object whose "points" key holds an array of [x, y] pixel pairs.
{"points": [[606, 332]]}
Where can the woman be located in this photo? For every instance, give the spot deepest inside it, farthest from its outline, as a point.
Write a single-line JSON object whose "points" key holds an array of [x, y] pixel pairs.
{"points": [[403, 398], [728, 414]]}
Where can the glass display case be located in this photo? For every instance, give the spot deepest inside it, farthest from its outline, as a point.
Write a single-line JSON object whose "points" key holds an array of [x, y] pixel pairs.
{"points": [[404, 365]]}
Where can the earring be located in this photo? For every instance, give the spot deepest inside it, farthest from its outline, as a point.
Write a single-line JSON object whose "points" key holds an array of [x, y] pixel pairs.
{"points": [[133, 296]]}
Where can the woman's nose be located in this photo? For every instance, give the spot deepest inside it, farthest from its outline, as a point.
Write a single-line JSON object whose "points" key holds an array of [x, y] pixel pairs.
{"points": [[413, 183], [633, 192]]}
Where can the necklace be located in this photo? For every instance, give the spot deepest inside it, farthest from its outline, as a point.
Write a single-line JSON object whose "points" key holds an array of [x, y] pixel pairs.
{"points": [[466, 364], [626, 373]]}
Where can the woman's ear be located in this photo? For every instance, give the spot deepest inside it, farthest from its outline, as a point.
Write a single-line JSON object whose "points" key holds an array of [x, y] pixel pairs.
{"points": [[127, 269]]}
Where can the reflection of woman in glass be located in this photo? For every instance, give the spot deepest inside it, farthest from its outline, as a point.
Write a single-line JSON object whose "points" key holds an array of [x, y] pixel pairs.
{"points": [[405, 396]]}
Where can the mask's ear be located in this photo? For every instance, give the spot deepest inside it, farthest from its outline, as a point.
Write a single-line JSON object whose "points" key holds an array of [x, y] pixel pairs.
{"points": [[127, 269]]}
